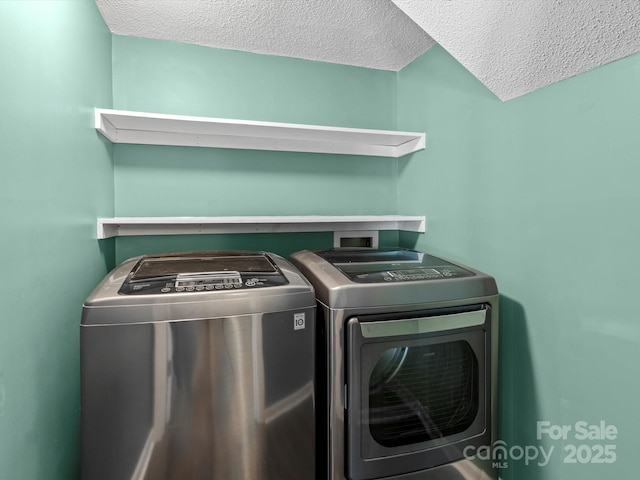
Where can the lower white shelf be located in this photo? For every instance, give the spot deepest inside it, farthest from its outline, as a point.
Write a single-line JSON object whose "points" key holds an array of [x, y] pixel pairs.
{"points": [[130, 226]]}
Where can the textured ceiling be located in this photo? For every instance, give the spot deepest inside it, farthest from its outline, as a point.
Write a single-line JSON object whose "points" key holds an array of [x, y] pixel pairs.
{"points": [[512, 46], [517, 46], [364, 33]]}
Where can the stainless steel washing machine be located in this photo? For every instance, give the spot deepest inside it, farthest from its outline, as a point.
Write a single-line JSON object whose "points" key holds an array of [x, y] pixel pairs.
{"points": [[408, 350], [199, 366]]}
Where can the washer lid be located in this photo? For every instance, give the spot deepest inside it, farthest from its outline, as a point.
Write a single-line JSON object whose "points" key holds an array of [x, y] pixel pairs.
{"points": [[154, 266], [196, 293], [363, 265], [202, 271]]}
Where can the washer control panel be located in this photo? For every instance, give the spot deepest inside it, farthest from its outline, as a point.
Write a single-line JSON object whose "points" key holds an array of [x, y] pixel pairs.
{"points": [[190, 282], [203, 282]]}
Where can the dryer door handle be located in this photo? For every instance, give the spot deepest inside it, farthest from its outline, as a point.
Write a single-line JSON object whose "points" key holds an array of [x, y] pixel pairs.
{"points": [[413, 326]]}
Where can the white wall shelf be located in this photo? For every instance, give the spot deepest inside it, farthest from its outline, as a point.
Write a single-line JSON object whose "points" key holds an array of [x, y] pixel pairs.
{"points": [[159, 129], [129, 226]]}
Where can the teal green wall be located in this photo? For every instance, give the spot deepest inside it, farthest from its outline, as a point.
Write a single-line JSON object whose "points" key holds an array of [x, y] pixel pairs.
{"points": [[170, 77], [55, 179], [539, 191], [542, 192]]}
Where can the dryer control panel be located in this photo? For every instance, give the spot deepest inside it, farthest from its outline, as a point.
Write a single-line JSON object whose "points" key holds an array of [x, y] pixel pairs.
{"points": [[424, 273], [391, 265]]}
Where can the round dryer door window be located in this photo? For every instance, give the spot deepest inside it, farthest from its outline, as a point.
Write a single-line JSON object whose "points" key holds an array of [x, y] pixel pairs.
{"points": [[423, 393]]}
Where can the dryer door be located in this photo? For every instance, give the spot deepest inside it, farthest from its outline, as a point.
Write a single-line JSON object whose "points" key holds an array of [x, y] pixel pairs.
{"points": [[417, 391]]}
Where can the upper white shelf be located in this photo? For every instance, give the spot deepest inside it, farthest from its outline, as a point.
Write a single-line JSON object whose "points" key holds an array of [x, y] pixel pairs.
{"points": [[121, 126], [127, 226]]}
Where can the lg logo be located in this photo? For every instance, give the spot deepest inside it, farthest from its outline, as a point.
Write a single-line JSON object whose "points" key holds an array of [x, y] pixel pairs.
{"points": [[298, 321]]}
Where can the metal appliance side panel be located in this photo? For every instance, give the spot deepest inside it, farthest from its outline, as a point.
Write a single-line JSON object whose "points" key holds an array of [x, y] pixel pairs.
{"points": [[333, 452], [229, 398], [196, 306]]}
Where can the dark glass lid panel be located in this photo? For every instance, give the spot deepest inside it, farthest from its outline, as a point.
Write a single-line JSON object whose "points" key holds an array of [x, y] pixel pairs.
{"points": [[171, 266], [375, 265], [422, 393]]}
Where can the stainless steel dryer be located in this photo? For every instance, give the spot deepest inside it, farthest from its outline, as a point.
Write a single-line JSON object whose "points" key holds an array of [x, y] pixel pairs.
{"points": [[408, 349], [199, 366]]}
